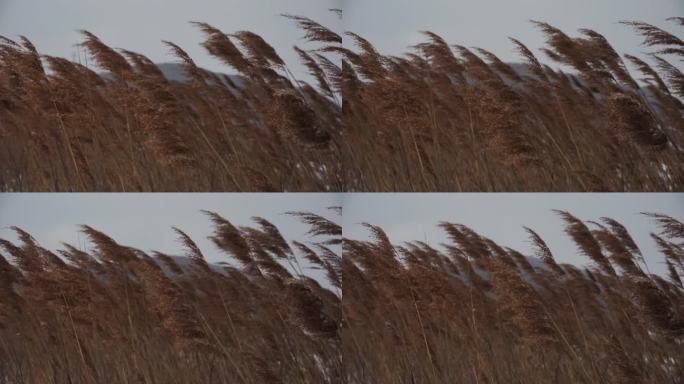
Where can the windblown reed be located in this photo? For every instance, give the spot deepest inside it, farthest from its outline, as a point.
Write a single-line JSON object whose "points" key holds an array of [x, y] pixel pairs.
{"points": [[441, 118], [115, 314], [116, 123], [450, 118], [471, 311]]}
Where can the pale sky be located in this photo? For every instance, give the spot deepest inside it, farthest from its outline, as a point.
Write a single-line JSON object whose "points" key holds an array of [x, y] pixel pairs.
{"points": [[500, 217], [141, 25], [393, 25], [144, 220]]}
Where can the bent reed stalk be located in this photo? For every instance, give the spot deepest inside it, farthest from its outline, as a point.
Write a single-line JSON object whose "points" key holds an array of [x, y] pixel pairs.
{"points": [[473, 311], [447, 117], [111, 313], [118, 124]]}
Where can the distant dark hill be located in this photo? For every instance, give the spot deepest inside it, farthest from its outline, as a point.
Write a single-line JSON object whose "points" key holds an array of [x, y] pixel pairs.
{"points": [[175, 72], [521, 69]]}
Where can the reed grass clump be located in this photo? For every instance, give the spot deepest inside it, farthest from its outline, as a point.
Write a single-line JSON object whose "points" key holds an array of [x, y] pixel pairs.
{"points": [[335, 310], [113, 122], [111, 313], [451, 118], [472, 311]]}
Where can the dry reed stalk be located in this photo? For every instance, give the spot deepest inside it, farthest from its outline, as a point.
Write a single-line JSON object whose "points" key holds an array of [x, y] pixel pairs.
{"points": [[445, 117], [72, 128], [114, 314], [493, 315]]}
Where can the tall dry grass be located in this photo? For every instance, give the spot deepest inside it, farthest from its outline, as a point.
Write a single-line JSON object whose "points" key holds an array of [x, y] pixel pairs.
{"points": [[115, 314], [468, 311], [441, 118], [451, 118], [67, 127], [472, 311]]}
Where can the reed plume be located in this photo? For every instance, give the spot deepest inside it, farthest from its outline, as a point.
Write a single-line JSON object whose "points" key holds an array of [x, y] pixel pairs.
{"points": [[112, 313]]}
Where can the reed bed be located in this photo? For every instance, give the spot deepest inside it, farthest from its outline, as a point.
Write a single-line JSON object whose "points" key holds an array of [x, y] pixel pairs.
{"points": [[113, 122], [467, 311], [473, 311], [111, 313], [445, 117], [440, 118]]}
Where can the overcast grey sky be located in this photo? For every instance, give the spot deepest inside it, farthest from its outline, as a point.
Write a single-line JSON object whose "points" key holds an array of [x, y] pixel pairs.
{"points": [[144, 221], [393, 25], [408, 217], [141, 25]]}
